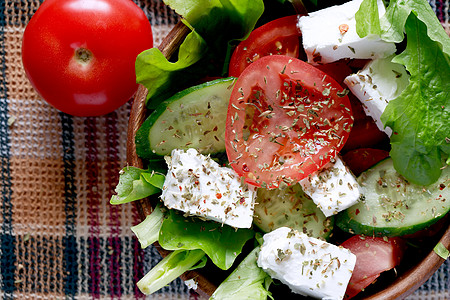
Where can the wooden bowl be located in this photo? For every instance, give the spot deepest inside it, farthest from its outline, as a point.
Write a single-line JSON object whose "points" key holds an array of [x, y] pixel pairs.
{"points": [[410, 276]]}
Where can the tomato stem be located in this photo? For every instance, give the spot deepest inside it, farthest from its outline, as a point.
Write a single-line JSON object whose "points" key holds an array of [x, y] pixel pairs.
{"points": [[83, 55]]}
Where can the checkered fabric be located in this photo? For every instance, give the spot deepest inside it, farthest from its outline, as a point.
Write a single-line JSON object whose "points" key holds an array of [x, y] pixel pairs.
{"points": [[59, 236]]}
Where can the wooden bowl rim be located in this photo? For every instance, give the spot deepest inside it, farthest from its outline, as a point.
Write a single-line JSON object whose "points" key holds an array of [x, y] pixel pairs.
{"points": [[403, 286]]}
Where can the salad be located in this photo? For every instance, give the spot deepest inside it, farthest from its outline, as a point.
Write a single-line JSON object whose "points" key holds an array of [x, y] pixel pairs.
{"points": [[307, 149]]}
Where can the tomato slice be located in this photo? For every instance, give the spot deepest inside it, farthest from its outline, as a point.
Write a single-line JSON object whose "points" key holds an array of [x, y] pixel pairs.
{"points": [[286, 119], [365, 133], [357, 108], [359, 160], [355, 288], [338, 70], [280, 36], [373, 256]]}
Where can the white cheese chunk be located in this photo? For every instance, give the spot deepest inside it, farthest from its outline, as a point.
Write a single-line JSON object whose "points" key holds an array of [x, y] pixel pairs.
{"points": [[376, 84], [309, 266], [333, 188], [330, 34], [197, 185], [192, 284]]}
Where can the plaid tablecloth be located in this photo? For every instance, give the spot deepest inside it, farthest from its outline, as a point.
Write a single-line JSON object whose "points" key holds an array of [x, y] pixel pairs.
{"points": [[59, 237]]}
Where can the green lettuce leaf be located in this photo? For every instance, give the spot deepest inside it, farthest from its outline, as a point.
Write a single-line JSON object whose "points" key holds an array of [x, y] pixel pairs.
{"points": [[393, 22], [247, 281], [147, 232], [168, 269], [135, 184], [215, 24], [420, 116], [221, 243], [219, 21], [368, 19], [159, 75], [440, 250], [391, 26]]}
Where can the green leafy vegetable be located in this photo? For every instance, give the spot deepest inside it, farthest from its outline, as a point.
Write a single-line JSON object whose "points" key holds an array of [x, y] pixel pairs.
{"points": [[420, 115], [247, 281], [391, 26], [147, 231], [135, 184], [158, 75], [168, 269], [393, 22], [219, 21], [221, 243], [216, 23], [440, 250], [368, 19]]}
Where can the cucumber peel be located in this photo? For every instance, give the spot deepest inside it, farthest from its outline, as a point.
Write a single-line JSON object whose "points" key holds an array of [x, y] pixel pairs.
{"points": [[192, 118], [392, 206]]}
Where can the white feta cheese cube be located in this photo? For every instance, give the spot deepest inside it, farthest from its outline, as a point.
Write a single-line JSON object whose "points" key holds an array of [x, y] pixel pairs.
{"points": [[333, 188], [197, 185], [309, 266], [376, 84], [192, 284], [330, 34]]}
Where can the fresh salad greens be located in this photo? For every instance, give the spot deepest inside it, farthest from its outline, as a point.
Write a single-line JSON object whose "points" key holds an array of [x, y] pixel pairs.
{"points": [[368, 19], [171, 267], [394, 20], [158, 75], [440, 250], [420, 116], [221, 243], [215, 24], [147, 231], [135, 183], [247, 281], [219, 21]]}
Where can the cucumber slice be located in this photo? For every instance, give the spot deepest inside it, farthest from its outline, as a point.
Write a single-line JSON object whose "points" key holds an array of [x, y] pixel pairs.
{"points": [[192, 118], [292, 208], [392, 206]]}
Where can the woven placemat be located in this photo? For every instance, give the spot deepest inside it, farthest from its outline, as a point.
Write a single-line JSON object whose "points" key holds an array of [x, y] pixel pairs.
{"points": [[59, 237]]}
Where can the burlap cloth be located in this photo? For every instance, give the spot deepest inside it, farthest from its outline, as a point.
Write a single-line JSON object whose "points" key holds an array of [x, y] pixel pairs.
{"points": [[60, 237]]}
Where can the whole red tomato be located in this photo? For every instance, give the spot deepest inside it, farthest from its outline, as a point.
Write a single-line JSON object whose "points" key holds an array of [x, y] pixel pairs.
{"points": [[79, 55]]}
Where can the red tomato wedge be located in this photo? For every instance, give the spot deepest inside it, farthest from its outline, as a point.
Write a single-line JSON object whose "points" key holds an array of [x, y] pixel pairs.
{"points": [[359, 160], [373, 256], [365, 133], [357, 108], [280, 36], [286, 119], [338, 70], [355, 288]]}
